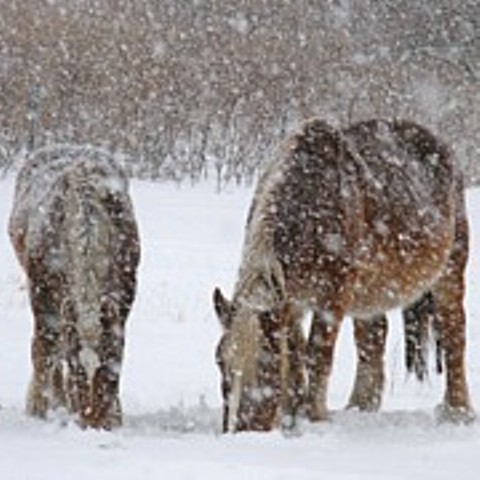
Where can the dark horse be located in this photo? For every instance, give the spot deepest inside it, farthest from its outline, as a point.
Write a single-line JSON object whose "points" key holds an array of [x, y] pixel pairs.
{"points": [[353, 221], [75, 235]]}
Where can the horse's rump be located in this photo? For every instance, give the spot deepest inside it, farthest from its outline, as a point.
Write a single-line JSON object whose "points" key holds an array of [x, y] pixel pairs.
{"points": [[42, 190]]}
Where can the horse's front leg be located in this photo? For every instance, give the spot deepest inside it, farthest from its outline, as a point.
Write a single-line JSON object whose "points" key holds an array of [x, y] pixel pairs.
{"points": [[370, 336], [319, 359], [294, 399]]}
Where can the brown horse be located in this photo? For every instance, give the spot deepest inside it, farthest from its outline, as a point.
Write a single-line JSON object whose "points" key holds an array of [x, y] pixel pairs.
{"points": [[352, 221], [75, 235]]}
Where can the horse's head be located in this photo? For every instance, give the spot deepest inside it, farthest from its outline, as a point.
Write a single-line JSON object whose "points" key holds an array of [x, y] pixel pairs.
{"points": [[251, 356]]}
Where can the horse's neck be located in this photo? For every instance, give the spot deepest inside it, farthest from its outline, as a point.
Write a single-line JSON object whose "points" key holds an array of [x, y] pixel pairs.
{"points": [[260, 280]]}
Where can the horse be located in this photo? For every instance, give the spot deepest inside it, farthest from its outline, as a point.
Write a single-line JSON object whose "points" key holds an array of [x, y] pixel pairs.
{"points": [[350, 221], [74, 232]]}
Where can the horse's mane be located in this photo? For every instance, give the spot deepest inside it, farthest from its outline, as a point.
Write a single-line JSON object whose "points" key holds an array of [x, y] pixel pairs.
{"points": [[261, 274], [259, 269]]}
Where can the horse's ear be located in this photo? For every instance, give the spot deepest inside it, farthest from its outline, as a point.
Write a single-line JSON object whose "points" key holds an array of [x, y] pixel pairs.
{"points": [[223, 307]]}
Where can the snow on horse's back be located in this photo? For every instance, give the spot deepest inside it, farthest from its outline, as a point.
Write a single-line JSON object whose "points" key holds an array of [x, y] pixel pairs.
{"points": [[74, 231]]}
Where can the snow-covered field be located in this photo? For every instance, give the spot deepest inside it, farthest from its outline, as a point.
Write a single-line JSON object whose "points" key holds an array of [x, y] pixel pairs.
{"points": [[191, 240]]}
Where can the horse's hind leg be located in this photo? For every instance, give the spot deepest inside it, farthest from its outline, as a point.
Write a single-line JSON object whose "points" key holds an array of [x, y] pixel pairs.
{"points": [[452, 337], [46, 387], [448, 293], [370, 336]]}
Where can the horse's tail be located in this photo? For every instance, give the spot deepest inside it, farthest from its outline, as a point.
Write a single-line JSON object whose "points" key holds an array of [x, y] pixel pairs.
{"points": [[88, 239], [420, 322], [102, 253]]}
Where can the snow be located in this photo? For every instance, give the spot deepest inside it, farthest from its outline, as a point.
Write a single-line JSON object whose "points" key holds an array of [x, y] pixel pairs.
{"points": [[191, 239]]}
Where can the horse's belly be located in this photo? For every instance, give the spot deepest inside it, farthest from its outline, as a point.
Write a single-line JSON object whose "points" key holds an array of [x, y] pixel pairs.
{"points": [[382, 296], [397, 280]]}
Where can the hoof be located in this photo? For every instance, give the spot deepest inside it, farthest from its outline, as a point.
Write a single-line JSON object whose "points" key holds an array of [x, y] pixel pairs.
{"points": [[455, 415], [318, 415], [363, 406], [37, 403]]}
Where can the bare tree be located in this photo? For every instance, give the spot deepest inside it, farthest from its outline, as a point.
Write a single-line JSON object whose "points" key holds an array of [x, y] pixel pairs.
{"points": [[189, 88]]}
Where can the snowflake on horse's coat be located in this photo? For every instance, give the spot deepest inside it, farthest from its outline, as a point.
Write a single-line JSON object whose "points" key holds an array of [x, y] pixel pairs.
{"points": [[75, 234], [352, 221]]}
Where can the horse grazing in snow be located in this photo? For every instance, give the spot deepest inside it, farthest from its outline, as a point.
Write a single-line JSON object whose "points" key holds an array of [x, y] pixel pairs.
{"points": [[352, 221], [74, 232]]}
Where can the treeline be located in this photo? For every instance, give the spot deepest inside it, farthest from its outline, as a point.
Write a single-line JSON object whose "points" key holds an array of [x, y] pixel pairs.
{"points": [[189, 88]]}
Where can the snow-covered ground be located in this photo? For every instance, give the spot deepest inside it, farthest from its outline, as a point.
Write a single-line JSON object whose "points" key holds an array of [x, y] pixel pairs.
{"points": [[191, 239]]}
